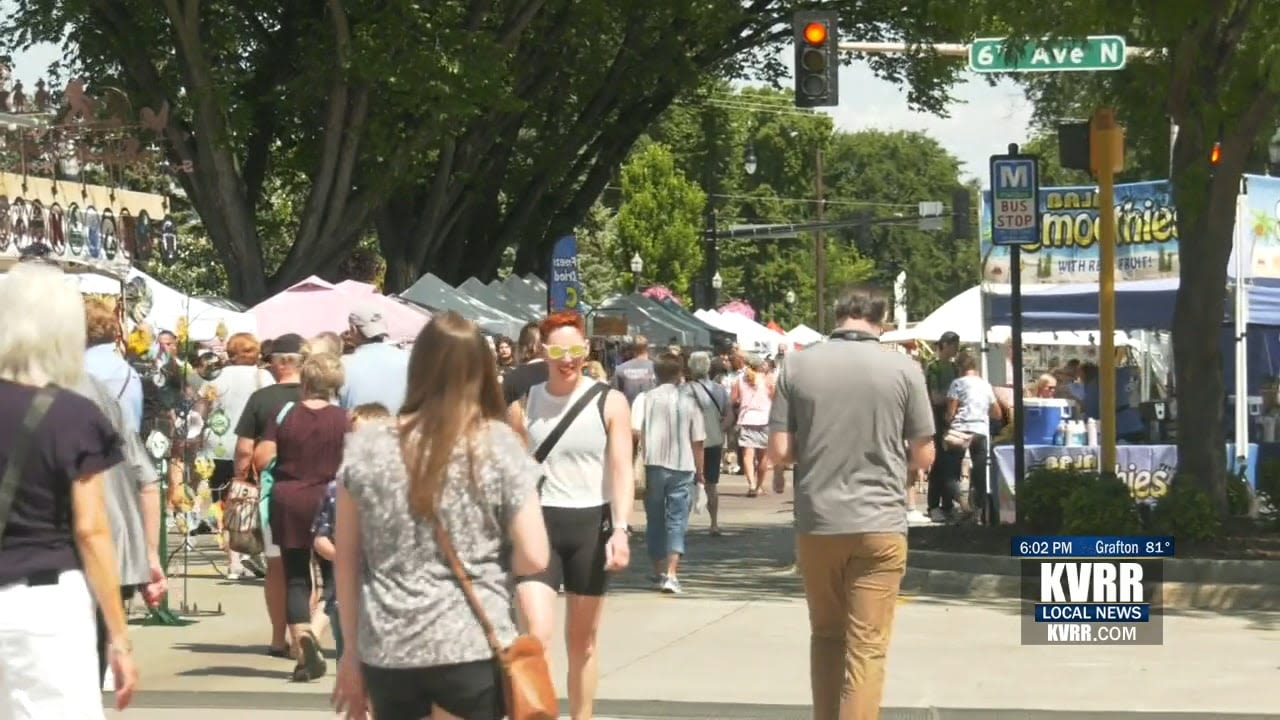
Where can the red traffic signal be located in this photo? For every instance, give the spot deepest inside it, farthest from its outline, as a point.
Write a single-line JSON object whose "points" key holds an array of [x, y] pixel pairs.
{"points": [[815, 33], [817, 59]]}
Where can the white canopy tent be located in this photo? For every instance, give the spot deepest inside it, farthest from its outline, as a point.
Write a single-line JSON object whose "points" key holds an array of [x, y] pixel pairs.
{"points": [[963, 315], [752, 336], [804, 335], [168, 305]]}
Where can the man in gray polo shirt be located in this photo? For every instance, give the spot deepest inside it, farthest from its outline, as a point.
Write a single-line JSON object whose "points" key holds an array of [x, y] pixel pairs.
{"points": [[855, 420]]}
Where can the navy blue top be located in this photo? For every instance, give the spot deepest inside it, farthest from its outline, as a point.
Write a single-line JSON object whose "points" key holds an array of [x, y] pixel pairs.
{"points": [[74, 440]]}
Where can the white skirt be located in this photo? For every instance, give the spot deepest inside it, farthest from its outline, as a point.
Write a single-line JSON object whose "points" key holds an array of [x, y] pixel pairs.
{"points": [[49, 651]]}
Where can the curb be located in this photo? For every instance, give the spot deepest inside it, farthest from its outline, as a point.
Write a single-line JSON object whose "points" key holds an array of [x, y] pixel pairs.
{"points": [[1190, 584]]}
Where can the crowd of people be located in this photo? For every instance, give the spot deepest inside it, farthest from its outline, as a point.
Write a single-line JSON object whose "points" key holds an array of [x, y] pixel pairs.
{"points": [[519, 458]]}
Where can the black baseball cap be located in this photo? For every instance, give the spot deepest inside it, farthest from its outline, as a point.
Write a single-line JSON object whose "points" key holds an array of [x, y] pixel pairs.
{"points": [[949, 338], [288, 344]]}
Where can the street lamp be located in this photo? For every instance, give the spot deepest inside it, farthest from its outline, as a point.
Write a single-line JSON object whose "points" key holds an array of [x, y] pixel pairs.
{"points": [[637, 267], [1273, 153], [791, 297], [749, 161]]}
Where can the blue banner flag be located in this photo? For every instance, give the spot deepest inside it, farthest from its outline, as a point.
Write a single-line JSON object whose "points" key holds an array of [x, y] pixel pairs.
{"points": [[564, 292], [1091, 546]]}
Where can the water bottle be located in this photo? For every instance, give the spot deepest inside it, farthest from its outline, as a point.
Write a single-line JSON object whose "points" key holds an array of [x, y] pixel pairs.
{"points": [[1091, 433], [1060, 435]]}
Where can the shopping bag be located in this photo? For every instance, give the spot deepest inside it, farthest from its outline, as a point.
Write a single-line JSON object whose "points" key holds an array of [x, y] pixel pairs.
{"points": [[699, 499]]}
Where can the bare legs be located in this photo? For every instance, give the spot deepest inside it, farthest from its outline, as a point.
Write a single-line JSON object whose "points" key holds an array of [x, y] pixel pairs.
{"points": [[582, 623]]}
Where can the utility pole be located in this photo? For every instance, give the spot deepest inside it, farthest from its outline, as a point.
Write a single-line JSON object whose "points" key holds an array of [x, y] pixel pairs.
{"points": [[820, 247]]}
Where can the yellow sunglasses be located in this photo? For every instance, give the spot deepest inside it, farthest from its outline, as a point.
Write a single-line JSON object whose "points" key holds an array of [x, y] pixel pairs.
{"points": [[572, 352]]}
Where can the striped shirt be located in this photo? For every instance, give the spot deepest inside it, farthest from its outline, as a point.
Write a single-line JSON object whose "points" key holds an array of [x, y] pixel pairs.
{"points": [[669, 422]]}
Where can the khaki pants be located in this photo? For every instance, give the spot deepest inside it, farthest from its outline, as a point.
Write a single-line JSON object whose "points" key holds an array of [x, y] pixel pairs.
{"points": [[851, 584]]}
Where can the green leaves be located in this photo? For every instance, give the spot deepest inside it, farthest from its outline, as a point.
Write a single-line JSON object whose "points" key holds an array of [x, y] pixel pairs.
{"points": [[660, 219]]}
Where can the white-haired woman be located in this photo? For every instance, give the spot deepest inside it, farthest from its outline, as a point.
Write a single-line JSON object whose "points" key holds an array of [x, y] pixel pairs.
{"points": [[56, 554]]}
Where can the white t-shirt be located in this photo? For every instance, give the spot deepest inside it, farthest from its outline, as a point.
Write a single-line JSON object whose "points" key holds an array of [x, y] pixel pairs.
{"points": [[230, 392], [669, 421], [974, 397]]}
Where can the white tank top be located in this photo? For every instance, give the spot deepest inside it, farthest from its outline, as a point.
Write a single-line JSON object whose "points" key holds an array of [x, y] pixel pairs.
{"points": [[576, 470]]}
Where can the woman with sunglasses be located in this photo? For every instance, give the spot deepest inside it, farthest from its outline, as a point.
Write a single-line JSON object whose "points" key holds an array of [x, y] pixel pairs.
{"points": [[581, 431]]}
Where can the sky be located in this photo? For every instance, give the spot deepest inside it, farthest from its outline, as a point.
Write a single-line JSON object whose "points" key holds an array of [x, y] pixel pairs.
{"points": [[984, 119]]}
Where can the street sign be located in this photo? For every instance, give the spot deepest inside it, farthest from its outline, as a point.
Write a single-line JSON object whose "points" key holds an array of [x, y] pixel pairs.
{"points": [[1091, 54], [1015, 199]]}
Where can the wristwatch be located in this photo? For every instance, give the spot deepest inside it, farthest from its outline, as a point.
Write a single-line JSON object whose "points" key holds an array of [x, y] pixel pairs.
{"points": [[621, 526]]}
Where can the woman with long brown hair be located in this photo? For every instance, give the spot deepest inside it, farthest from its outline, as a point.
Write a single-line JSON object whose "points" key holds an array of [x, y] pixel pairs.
{"points": [[413, 647]]}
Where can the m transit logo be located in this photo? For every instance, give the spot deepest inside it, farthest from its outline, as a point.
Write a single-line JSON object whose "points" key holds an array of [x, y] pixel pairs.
{"points": [[1088, 601]]}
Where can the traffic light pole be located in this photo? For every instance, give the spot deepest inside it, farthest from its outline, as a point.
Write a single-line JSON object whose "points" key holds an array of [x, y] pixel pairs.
{"points": [[711, 254]]}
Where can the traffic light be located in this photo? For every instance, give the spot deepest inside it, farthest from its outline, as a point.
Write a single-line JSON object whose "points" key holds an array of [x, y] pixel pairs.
{"points": [[817, 64], [960, 214]]}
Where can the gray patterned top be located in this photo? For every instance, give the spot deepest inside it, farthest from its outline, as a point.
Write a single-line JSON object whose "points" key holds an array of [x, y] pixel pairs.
{"points": [[412, 611]]}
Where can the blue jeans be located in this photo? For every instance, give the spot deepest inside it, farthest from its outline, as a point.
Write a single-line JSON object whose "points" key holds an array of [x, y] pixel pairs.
{"points": [[668, 495]]}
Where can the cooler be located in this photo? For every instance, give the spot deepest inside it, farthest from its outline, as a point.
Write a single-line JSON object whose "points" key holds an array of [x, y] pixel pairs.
{"points": [[1041, 417]]}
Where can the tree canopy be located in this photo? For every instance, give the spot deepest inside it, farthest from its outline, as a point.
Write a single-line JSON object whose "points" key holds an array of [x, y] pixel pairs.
{"points": [[660, 219], [1213, 70], [456, 129]]}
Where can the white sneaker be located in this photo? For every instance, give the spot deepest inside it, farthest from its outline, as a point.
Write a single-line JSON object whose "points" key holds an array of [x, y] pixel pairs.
{"points": [[915, 517], [671, 585]]}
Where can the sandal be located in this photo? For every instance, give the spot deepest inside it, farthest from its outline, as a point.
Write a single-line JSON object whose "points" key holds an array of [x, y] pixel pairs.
{"points": [[282, 652], [751, 493], [715, 532]]}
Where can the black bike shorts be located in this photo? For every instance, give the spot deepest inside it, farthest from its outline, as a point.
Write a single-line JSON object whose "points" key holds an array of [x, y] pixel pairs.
{"points": [[470, 691], [578, 537]]}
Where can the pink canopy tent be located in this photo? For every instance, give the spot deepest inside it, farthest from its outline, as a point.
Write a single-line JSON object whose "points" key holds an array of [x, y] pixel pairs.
{"points": [[314, 306]]}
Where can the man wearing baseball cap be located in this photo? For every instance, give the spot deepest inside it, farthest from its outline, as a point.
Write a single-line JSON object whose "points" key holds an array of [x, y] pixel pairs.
{"points": [[377, 371]]}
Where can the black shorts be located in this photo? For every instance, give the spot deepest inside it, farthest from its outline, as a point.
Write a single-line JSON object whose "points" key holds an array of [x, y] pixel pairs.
{"points": [[220, 481], [578, 537], [711, 460], [468, 690]]}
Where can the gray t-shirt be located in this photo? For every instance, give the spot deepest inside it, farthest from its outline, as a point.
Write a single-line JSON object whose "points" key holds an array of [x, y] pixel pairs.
{"points": [[121, 486], [634, 377], [412, 610], [850, 406]]}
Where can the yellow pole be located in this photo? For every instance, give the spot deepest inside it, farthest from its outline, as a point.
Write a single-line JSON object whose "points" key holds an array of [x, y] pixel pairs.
{"points": [[1104, 145]]}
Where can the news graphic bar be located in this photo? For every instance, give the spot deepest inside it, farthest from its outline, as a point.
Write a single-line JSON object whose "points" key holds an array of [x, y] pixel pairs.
{"points": [[1092, 590], [1091, 546]]}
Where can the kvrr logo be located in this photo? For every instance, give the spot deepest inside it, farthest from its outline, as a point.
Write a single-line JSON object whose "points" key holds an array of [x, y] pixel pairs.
{"points": [[1091, 582]]}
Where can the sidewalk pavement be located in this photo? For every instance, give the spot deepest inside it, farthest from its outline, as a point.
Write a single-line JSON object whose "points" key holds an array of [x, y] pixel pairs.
{"points": [[736, 646]]}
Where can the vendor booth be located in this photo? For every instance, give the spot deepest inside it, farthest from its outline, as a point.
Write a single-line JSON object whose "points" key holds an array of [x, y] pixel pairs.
{"points": [[1146, 419]]}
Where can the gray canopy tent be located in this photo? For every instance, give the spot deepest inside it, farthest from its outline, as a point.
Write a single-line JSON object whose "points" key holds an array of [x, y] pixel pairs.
{"points": [[435, 294], [498, 301]]}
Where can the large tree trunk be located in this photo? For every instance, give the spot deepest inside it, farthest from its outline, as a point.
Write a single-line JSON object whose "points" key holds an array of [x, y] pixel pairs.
{"points": [[1205, 196]]}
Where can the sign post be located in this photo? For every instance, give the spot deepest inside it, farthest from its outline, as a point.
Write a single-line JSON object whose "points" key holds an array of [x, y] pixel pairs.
{"points": [[1015, 221]]}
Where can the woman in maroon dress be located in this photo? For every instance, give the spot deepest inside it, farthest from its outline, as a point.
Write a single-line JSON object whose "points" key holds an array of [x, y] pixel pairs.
{"points": [[308, 450]]}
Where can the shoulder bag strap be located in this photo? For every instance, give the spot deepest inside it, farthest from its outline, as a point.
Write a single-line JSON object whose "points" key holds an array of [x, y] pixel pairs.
{"points": [[284, 411], [17, 460], [710, 396], [549, 444]]}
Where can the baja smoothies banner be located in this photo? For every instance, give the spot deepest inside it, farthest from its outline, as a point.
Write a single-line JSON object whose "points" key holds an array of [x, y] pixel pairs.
{"points": [[1146, 236]]}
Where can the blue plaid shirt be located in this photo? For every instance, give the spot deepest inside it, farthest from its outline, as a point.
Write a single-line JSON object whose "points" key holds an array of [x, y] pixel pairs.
{"points": [[323, 525]]}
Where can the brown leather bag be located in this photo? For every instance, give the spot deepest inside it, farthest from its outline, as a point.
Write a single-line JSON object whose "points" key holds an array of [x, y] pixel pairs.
{"points": [[527, 686]]}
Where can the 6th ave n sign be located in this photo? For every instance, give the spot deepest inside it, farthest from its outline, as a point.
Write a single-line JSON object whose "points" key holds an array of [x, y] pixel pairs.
{"points": [[1091, 54]]}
